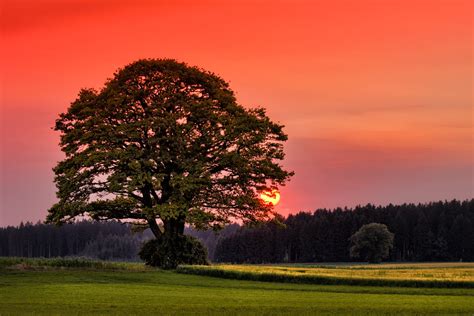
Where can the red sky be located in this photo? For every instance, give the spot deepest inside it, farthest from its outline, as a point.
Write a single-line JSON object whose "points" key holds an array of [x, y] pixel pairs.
{"points": [[376, 96]]}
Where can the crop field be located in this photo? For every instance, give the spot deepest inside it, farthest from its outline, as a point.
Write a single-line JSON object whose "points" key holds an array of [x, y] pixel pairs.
{"points": [[412, 275], [82, 287]]}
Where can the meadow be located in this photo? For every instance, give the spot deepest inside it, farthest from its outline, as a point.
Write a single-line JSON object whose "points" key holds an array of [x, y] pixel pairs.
{"points": [[63, 286]]}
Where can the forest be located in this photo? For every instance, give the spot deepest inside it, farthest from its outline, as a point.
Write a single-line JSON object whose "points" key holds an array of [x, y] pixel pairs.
{"points": [[436, 231], [106, 240]]}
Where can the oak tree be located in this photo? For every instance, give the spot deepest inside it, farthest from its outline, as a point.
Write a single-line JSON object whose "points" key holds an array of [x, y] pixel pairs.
{"points": [[165, 144]]}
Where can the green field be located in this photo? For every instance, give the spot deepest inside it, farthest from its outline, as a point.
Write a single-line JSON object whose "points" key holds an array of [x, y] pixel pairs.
{"points": [[48, 287]]}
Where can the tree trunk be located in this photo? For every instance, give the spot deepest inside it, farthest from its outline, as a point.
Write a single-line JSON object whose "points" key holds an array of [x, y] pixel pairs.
{"points": [[174, 227], [155, 229]]}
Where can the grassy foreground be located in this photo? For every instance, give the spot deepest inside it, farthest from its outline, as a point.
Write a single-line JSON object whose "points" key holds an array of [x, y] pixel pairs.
{"points": [[33, 287], [413, 275]]}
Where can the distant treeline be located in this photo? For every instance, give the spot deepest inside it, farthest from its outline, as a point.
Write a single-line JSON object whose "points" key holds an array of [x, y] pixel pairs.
{"points": [[102, 240], [437, 231], [425, 232]]}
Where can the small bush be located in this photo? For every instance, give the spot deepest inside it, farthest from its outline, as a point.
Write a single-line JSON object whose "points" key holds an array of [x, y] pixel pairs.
{"points": [[168, 252]]}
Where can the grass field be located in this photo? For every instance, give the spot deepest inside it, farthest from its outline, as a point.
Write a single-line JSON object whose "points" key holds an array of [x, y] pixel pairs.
{"points": [[412, 275], [52, 287]]}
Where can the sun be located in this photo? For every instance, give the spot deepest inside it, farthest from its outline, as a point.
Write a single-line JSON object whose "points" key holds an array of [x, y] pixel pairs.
{"points": [[270, 197]]}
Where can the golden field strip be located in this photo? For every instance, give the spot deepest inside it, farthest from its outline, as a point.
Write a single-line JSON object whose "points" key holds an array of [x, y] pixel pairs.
{"points": [[405, 274]]}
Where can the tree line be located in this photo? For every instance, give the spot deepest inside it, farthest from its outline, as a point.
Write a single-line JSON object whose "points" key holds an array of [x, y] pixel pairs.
{"points": [[437, 231], [102, 240], [110, 240]]}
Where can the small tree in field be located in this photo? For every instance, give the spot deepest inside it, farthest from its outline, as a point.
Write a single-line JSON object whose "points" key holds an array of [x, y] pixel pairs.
{"points": [[165, 144], [372, 242]]}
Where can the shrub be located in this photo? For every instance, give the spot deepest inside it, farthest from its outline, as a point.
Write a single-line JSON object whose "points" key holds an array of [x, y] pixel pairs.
{"points": [[168, 252], [372, 242]]}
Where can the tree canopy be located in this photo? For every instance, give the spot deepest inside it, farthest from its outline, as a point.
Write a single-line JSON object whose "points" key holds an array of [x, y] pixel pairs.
{"points": [[165, 144], [372, 242]]}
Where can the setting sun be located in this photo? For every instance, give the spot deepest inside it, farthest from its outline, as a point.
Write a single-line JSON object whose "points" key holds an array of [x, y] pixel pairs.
{"points": [[270, 197]]}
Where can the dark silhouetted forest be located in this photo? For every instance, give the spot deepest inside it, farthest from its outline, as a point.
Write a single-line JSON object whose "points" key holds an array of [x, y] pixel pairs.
{"points": [[101, 240], [438, 231]]}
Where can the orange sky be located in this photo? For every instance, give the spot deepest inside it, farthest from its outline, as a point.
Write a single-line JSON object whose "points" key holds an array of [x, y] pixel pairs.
{"points": [[376, 96]]}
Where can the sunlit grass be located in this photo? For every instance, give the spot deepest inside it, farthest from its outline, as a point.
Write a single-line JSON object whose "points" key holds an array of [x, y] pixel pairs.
{"points": [[416, 275]]}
